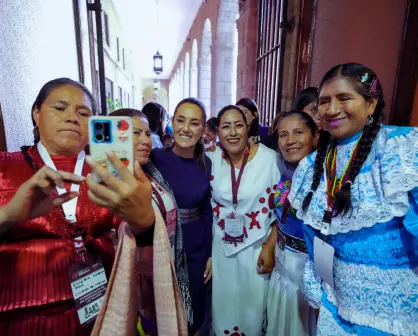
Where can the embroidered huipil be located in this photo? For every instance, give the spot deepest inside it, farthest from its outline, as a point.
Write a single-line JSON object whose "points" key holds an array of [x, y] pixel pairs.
{"points": [[239, 293], [35, 292], [376, 245], [288, 224]]}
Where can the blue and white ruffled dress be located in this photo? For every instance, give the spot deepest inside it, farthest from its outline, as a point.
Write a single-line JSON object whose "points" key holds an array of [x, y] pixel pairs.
{"points": [[376, 245]]}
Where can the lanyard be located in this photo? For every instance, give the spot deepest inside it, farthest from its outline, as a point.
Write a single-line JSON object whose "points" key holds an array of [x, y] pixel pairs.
{"points": [[236, 182], [69, 207], [159, 200]]}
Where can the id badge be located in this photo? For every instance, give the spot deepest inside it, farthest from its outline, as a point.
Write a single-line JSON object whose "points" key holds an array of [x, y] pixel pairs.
{"points": [[88, 283], [324, 260], [234, 229]]}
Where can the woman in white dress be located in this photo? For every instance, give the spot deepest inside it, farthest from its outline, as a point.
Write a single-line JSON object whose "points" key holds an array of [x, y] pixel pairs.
{"points": [[288, 311], [244, 235]]}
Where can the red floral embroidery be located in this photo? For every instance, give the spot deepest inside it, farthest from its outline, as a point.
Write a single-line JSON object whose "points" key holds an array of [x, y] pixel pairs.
{"points": [[222, 224], [271, 201], [254, 221], [236, 332], [217, 209]]}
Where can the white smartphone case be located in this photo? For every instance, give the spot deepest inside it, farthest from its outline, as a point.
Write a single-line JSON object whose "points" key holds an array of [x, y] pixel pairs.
{"points": [[120, 142]]}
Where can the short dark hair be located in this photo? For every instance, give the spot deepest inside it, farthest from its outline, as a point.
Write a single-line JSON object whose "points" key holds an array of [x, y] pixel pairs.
{"points": [[252, 106], [212, 124], [305, 97], [166, 137], [155, 114], [46, 90], [305, 117], [227, 108], [128, 112]]}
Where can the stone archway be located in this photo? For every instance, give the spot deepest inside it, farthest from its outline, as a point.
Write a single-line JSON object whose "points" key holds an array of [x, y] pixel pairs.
{"points": [[182, 89], [205, 66], [187, 76], [193, 70], [226, 54]]}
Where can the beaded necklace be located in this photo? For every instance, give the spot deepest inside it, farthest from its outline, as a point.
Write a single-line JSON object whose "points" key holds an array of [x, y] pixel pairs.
{"points": [[334, 184]]}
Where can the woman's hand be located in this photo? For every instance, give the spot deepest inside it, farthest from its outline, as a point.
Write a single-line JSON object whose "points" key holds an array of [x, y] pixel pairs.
{"points": [[208, 271], [266, 260], [129, 197], [34, 197]]}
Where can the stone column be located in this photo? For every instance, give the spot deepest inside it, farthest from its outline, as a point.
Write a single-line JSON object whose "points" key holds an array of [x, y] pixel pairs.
{"points": [[247, 48]]}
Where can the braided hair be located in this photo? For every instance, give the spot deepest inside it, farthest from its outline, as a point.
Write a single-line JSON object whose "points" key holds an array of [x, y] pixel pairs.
{"points": [[368, 86]]}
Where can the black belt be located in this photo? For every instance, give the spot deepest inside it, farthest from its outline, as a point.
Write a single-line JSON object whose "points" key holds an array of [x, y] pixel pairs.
{"points": [[293, 242]]}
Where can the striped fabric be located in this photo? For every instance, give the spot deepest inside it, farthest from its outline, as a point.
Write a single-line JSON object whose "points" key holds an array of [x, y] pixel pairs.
{"points": [[118, 315]]}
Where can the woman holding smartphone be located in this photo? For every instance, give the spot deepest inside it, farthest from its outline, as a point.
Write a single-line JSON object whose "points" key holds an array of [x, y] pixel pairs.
{"points": [[41, 240]]}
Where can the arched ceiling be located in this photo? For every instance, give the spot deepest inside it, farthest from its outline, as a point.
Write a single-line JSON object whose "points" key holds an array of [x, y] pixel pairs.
{"points": [[146, 35]]}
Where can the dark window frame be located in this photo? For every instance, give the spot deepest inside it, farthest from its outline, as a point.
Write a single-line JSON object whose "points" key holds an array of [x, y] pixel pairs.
{"points": [[118, 48], [123, 58], [407, 71], [270, 57], [305, 47], [106, 26], [120, 95], [109, 84]]}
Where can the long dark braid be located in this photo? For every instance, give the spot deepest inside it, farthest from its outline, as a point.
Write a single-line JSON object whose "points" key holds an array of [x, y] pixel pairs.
{"points": [[321, 152], [367, 86]]}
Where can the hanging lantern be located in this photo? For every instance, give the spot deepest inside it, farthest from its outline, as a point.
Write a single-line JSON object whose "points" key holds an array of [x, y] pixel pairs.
{"points": [[158, 63]]}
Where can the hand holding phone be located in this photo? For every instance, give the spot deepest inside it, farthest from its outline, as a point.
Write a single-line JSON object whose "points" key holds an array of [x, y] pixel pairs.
{"points": [[129, 196], [111, 134]]}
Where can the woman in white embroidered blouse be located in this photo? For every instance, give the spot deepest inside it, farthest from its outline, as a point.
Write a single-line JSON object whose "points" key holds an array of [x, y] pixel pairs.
{"points": [[243, 215]]}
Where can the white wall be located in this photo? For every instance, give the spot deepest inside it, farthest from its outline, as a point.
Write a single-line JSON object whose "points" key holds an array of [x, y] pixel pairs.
{"points": [[37, 40], [85, 43], [114, 70]]}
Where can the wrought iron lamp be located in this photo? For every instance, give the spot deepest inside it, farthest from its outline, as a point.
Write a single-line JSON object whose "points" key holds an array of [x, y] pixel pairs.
{"points": [[158, 63]]}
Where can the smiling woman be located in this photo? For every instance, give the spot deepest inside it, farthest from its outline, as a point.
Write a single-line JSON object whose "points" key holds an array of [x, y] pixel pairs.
{"points": [[357, 196], [187, 170], [163, 200], [243, 179], [289, 313]]}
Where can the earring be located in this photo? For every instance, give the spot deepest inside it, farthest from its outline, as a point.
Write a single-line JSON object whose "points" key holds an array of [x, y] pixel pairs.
{"points": [[369, 120]]}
